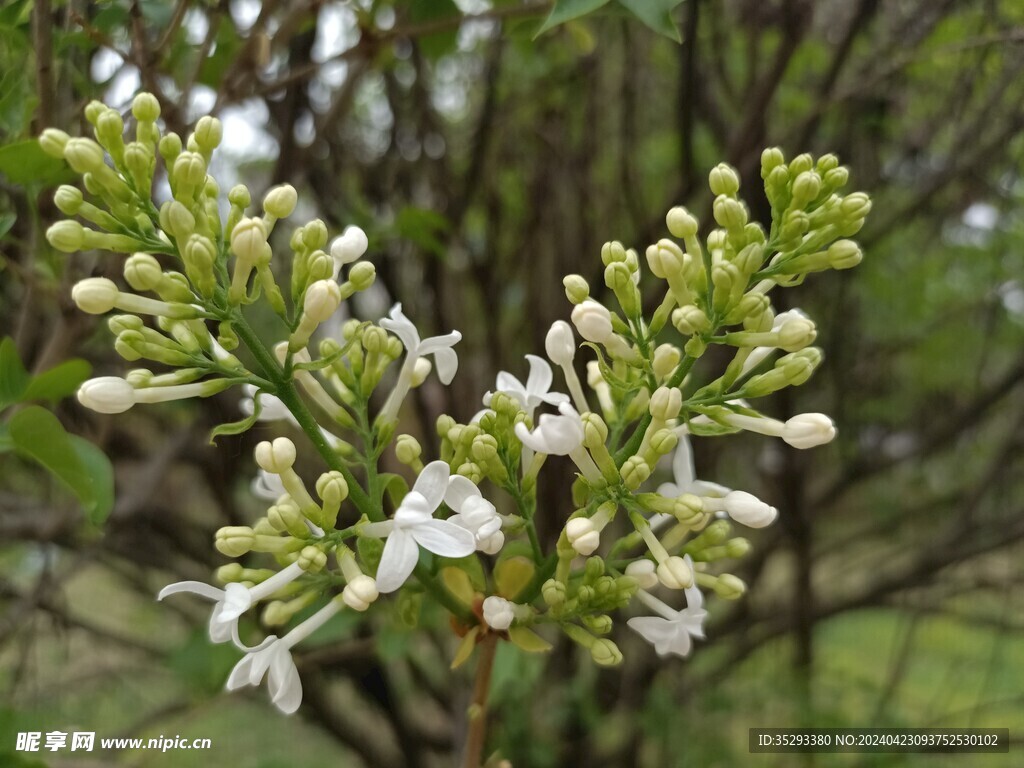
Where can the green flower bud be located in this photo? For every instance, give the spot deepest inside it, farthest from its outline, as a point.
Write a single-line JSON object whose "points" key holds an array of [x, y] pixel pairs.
{"points": [[110, 129], [737, 547], [484, 449], [634, 472], [314, 234], [362, 275], [729, 587], [146, 108], [208, 133], [836, 178], [407, 449], [472, 471], [605, 653], [444, 425], [553, 593], [613, 252], [286, 517], [189, 169], [599, 625], [68, 200], [730, 213], [716, 533], [806, 187], [664, 441], [177, 220], [83, 155], [239, 196], [690, 320], [120, 323], [53, 142], [844, 254], [800, 164], [170, 148], [249, 240], [576, 288], [332, 488], [142, 272], [595, 431], [235, 540], [280, 201], [750, 259], [312, 559], [771, 159], [229, 574], [724, 180], [93, 110]]}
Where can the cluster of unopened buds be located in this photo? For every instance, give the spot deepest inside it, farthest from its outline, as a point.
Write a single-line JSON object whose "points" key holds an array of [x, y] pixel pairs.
{"points": [[464, 533]]}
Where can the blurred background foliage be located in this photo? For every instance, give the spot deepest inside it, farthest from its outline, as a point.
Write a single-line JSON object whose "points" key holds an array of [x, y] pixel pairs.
{"points": [[485, 164]]}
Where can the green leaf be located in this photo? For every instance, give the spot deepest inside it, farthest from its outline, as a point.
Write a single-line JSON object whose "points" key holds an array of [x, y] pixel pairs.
{"points": [[436, 44], [567, 10], [25, 163], [58, 382], [466, 648], [394, 486], [37, 433], [6, 222], [528, 640], [237, 427], [101, 472], [16, 13], [656, 15], [13, 376], [512, 575], [458, 583]]}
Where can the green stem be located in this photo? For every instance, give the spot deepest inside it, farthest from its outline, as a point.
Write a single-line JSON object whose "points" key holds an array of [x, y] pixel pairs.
{"points": [[286, 392]]}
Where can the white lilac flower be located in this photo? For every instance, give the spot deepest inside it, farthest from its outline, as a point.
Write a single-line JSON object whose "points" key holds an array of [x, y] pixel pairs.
{"points": [[273, 659], [445, 359], [685, 476], [560, 346], [535, 391], [474, 513], [671, 631], [234, 600], [498, 613], [560, 435], [414, 526]]}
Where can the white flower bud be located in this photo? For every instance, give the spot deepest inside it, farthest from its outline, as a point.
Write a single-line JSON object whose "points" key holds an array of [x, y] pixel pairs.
{"points": [[360, 593], [66, 236], [681, 222], [749, 510], [796, 333], [349, 246], [666, 403], [582, 535], [53, 142], [280, 201], [674, 573], [107, 394], [142, 272], [593, 321], [560, 344], [498, 613], [322, 300], [249, 240], [666, 358], [277, 456], [95, 295], [644, 573], [809, 430]]}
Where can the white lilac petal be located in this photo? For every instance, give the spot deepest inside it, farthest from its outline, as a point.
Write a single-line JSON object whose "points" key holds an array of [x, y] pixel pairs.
{"points": [[397, 562], [460, 489], [432, 483], [192, 587], [444, 538], [447, 361]]}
